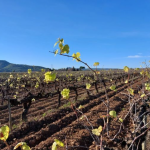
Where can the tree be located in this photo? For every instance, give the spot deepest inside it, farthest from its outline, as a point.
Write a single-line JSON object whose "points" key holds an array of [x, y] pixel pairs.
{"points": [[82, 67]]}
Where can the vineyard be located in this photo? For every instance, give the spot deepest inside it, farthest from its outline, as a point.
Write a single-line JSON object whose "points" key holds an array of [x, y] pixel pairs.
{"points": [[75, 110]]}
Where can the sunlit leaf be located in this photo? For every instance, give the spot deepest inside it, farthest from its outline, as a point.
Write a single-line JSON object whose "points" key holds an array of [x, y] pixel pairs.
{"points": [[76, 56], [81, 117], [54, 146], [131, 91], [65, 93], [4, 133], [142, 72], [121, 120], [65, 49], [60, 46], [33, 99], [56, 43], [113, 87], [97, 131], [29, 71], [25, 147], [143, 95], [112, 113], [88, 86], [126, 69], [59, 143], [56, 52], [49, 76], [96, 64], [80, 107]]}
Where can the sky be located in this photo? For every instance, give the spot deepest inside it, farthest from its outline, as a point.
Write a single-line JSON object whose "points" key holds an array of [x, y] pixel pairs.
{"points": [[115, 33]]}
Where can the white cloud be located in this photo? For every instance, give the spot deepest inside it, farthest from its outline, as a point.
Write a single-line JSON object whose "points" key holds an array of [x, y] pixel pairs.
{"points": [[135, 56]]}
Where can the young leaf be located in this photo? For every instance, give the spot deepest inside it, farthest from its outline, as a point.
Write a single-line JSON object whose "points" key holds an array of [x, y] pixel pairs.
{"points": [[56, 52], [76, 56], [143, 95], [60, 46], [131, 91], [121, 120], [65, 93], [82, 117], [88, 86], [65, 49], [97, 131], [59, 143], [4, 133], [49, 76], [25, 147], [29, 71], [54, 146], [56, 43], [80, 107], [126, 69], [96, 64], [113, 87], [142, 72], [112, 113]]}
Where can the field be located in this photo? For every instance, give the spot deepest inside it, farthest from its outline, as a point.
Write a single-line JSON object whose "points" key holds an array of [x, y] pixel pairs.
{"points": [[40, 113]]}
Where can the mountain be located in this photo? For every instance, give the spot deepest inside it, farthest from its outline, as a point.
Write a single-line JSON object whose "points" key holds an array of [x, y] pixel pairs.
{"points": [[5, 66]]}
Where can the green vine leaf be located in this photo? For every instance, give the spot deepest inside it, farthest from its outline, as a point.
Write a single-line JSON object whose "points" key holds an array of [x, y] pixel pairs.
{"points": [[88, 85], [121, 120], [97, 131], [65, 49], [56, 52], [126, 69], [76, 56], [96, 64], [65, 93], [54, 146], [143, 95], [80, 107], [29, 71], [113, 87], [4, 133], [59, 143], [131, 91], [60, 46], [49, 76], [112, 113], [59, 41]]}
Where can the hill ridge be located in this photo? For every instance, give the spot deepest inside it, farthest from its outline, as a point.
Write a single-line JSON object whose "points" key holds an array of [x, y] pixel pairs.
{"points": [[6, 66]]}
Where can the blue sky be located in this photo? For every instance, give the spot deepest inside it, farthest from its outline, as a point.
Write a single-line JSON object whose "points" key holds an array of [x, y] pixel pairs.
{"points": [[115, 33]]}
